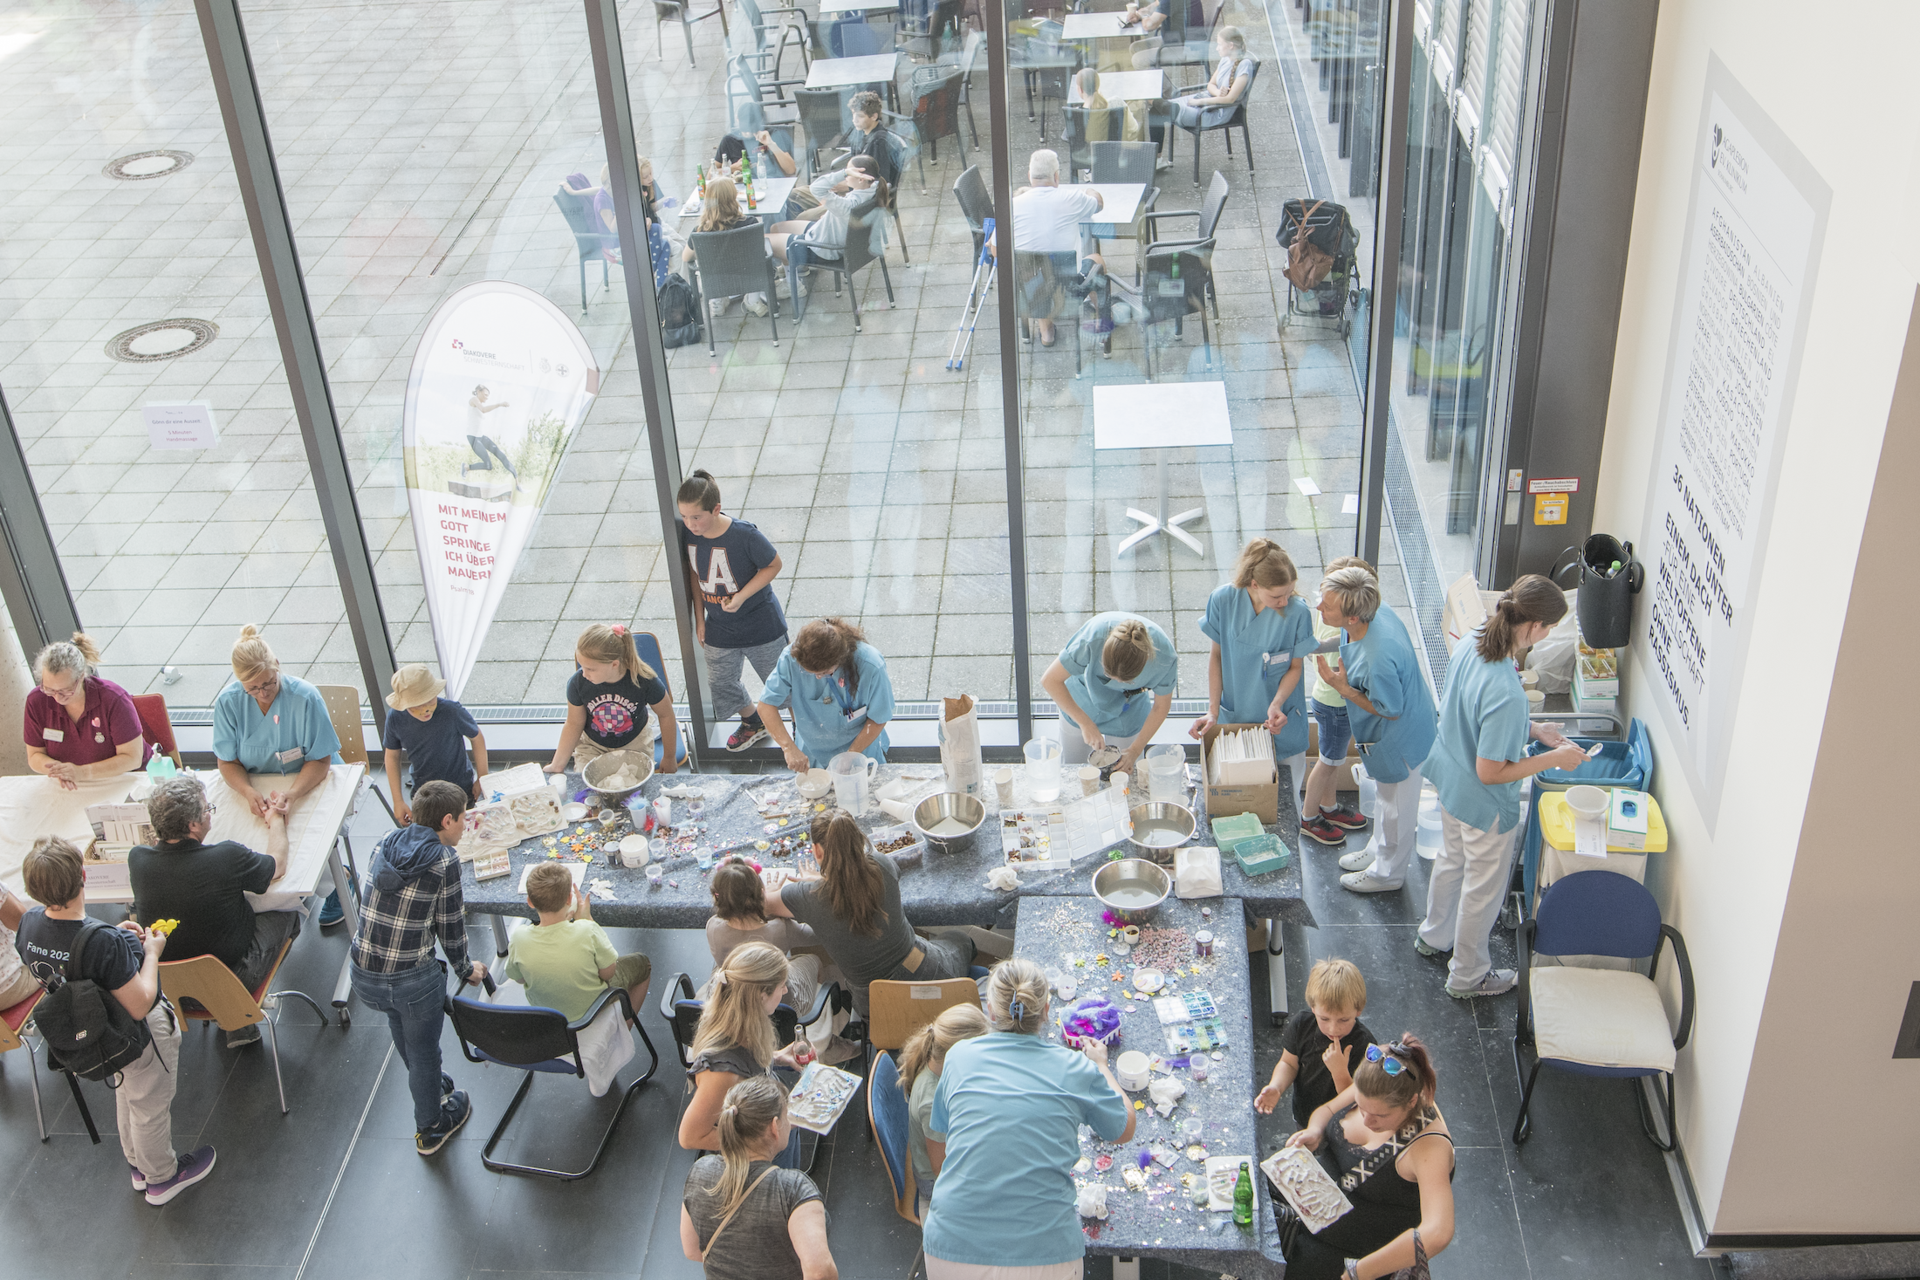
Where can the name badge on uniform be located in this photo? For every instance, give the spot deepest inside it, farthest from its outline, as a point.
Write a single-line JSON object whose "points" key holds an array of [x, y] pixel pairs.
{"points": [[856, 715], [54, 735], [290, 755]]}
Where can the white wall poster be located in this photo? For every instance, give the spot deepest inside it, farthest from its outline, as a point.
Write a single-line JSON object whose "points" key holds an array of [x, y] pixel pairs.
{"points": [[1755, 225], [499, 382], [180, 426]]}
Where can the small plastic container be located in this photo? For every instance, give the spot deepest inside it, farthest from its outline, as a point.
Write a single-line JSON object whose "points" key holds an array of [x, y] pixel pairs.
{"points": [[1229, 832], [1261, 854]]}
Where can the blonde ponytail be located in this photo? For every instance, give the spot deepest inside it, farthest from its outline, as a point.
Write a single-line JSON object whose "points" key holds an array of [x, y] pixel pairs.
{"points": [[75, 657], [735, 1015], [930, 1043], [750, 1108], [1017, 997], [604, 642], [1128, 649], [251, 655], [1266, 562]]}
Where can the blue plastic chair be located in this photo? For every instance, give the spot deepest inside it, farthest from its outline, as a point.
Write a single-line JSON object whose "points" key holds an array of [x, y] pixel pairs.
{"points": [[649, 646], [1599, 1022], [539, 1040], [887, 1117]]}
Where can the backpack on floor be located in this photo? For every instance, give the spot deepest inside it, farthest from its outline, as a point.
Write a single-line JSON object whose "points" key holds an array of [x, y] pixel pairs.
{"points": [[679, 313], [87, 1030]]}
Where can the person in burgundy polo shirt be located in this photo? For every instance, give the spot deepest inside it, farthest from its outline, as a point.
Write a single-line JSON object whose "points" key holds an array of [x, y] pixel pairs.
{"points": [[80, 727]]}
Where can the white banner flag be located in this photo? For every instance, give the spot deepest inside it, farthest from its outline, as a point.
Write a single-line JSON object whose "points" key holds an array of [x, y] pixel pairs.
{"points": [[499, 382]]}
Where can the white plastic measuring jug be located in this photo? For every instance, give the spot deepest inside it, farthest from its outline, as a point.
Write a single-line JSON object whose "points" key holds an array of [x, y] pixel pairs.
{"points": [[852, 773]]}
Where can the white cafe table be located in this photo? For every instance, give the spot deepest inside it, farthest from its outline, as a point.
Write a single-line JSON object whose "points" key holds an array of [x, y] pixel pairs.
{"points": [[1160, 416], [1124, 86], [32, 806], [771, 196], [1120, 204], [1094, 26], [857, 6], [841, 73]]}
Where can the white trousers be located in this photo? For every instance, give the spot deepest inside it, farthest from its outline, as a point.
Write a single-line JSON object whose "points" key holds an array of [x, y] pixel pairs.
{"points": [[1297, 767], [1396, 826], [1470, 878], [939, 1270]]}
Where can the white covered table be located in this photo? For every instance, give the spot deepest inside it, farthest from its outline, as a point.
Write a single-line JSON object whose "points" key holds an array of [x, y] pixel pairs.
{"points": [[1160, 416]]}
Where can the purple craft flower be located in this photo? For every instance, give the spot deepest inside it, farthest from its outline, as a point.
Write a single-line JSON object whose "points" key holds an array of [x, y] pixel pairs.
{"points": [[1095, 1018]]}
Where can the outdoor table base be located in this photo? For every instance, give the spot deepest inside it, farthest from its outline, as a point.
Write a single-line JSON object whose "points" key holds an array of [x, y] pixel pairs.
{"points": [[1160, 1221]]}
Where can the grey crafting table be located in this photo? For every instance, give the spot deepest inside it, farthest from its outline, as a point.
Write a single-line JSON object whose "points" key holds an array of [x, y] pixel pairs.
{"points": [[1160, 1220], [936, 888]]}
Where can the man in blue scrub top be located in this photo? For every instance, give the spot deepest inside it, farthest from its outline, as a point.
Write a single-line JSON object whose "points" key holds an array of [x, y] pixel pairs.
{"points": [[844, 705], [1114, 681], [1393, 717], [265, 722]]}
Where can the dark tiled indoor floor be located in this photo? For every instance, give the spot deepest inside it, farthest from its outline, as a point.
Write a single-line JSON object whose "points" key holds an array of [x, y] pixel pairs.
{"points": [[334, 1189]]}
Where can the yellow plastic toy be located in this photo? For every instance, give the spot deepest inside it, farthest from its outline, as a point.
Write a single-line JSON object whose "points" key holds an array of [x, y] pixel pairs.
{"points": [[164, 927]]}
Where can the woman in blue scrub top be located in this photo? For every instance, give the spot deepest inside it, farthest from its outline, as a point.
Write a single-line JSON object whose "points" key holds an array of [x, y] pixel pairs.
{"points": [[1262, 634], [1476, 766], [1391, 711], [1011, 1103], [265, 722], [837, 687], [1115, 681]]}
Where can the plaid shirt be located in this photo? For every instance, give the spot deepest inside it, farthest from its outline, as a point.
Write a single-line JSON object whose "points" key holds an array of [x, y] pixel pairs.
{"points": [[397, 928]]}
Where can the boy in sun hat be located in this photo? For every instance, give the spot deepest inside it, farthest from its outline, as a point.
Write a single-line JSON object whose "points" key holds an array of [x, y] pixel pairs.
{"points": [[432, 731]]}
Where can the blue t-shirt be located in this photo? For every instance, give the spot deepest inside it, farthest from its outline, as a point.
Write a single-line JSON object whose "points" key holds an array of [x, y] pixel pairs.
{"points": [[1484, 715], [723, 565], [1011, 1106], [1256, 649], [294, 730], [436, 746], [1118, 707], [617, 712], [827, 715], [1385, 668]]}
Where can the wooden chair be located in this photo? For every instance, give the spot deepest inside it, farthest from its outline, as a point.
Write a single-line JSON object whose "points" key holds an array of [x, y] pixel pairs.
{"points": [[215, 988], [11, 1020], [895, 1010], [157, 725]]}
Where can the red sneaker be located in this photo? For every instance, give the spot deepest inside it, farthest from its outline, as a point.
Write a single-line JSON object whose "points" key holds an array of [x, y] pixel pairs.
{"points": [[746, 735], [1323, 831], [1344, 817]]}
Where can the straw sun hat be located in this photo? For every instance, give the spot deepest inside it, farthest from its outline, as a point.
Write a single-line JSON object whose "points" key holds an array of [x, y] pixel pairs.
{"points": [[413, 685]]}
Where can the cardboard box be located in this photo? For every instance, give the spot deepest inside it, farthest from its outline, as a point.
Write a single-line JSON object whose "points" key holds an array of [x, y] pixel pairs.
{"points": [[1596, 675], [1627, 819], [1262, 799]]}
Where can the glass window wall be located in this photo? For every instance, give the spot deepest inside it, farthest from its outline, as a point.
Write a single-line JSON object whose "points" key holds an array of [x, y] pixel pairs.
{"points": [[140, 361]]}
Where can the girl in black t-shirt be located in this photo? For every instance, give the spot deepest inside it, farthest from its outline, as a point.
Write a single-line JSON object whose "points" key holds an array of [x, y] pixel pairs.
{"points": [[607, 703]]}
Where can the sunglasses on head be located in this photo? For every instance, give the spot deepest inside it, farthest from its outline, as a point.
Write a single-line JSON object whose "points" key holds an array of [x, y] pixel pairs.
{"points": [[1388, 1056]]}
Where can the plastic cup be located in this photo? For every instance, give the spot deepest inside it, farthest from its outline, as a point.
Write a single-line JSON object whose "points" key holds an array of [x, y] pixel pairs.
{"points": [[657, 847], [655, 874]]}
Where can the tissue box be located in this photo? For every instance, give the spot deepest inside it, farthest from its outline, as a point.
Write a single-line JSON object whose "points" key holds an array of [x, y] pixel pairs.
{"points": [[1262, 854], [1261, 799], [1627, 819]]}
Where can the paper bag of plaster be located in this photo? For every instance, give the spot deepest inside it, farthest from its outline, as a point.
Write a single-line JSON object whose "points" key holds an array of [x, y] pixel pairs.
{"points": [[960, 746], [1196, 871]]}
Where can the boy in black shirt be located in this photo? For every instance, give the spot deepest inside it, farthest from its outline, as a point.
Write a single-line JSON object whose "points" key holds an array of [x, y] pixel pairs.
{"points": [[1322, 1045], [125, 961]]}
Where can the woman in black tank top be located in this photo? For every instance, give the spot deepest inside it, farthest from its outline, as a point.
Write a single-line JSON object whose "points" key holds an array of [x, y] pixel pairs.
{"points": [[1386, 1144]]}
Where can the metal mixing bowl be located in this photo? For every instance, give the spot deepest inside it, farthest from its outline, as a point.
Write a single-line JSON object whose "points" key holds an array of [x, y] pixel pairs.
{"points": [[1141, 887], [601, 767], [1159, 828], [936, 809]]}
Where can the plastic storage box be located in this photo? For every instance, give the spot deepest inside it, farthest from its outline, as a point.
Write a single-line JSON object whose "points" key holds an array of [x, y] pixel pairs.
{"points": [[1261, 854], [1229, 832]]}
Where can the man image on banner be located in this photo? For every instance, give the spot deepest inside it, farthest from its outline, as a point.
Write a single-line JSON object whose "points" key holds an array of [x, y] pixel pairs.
{"points": [[480, 442]]}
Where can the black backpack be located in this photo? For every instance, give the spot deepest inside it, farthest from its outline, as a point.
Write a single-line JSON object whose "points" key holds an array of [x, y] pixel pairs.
{"points": [[679, 313], [87, 1030]]}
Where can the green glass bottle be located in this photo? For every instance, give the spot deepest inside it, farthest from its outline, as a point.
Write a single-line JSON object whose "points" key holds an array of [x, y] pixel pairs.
{"points": [[1243, 1197]]}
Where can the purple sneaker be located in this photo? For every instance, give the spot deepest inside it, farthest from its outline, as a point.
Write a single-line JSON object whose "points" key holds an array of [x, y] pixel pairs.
{"points": [[191, 1170], [139, 1178]]}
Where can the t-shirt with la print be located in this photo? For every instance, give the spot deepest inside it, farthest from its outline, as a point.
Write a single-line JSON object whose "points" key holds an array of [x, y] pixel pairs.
{"points": [[721, 567], [617, 712]]}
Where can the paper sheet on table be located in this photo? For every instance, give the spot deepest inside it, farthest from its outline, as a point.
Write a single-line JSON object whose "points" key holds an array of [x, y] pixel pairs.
{"points": [[1306, 485], [1350, 505], [1590, 837]]}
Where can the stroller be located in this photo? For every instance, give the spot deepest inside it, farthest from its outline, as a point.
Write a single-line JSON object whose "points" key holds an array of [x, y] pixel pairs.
{"points": [[1339, 295]]}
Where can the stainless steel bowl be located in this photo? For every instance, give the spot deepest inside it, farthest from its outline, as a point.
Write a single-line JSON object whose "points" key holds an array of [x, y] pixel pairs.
{"points": [[601, 767], [1159, 828], [946, 806], [1132, 888]]}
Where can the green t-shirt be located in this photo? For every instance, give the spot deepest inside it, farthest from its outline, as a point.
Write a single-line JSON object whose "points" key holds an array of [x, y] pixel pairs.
{"points": [[1322, 692], [560, 964]]}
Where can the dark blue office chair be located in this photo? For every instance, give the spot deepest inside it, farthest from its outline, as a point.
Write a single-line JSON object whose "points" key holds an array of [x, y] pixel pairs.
{"points": [[649, 646], [539, 1040], [887, 1119], [1599, 1022]]}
